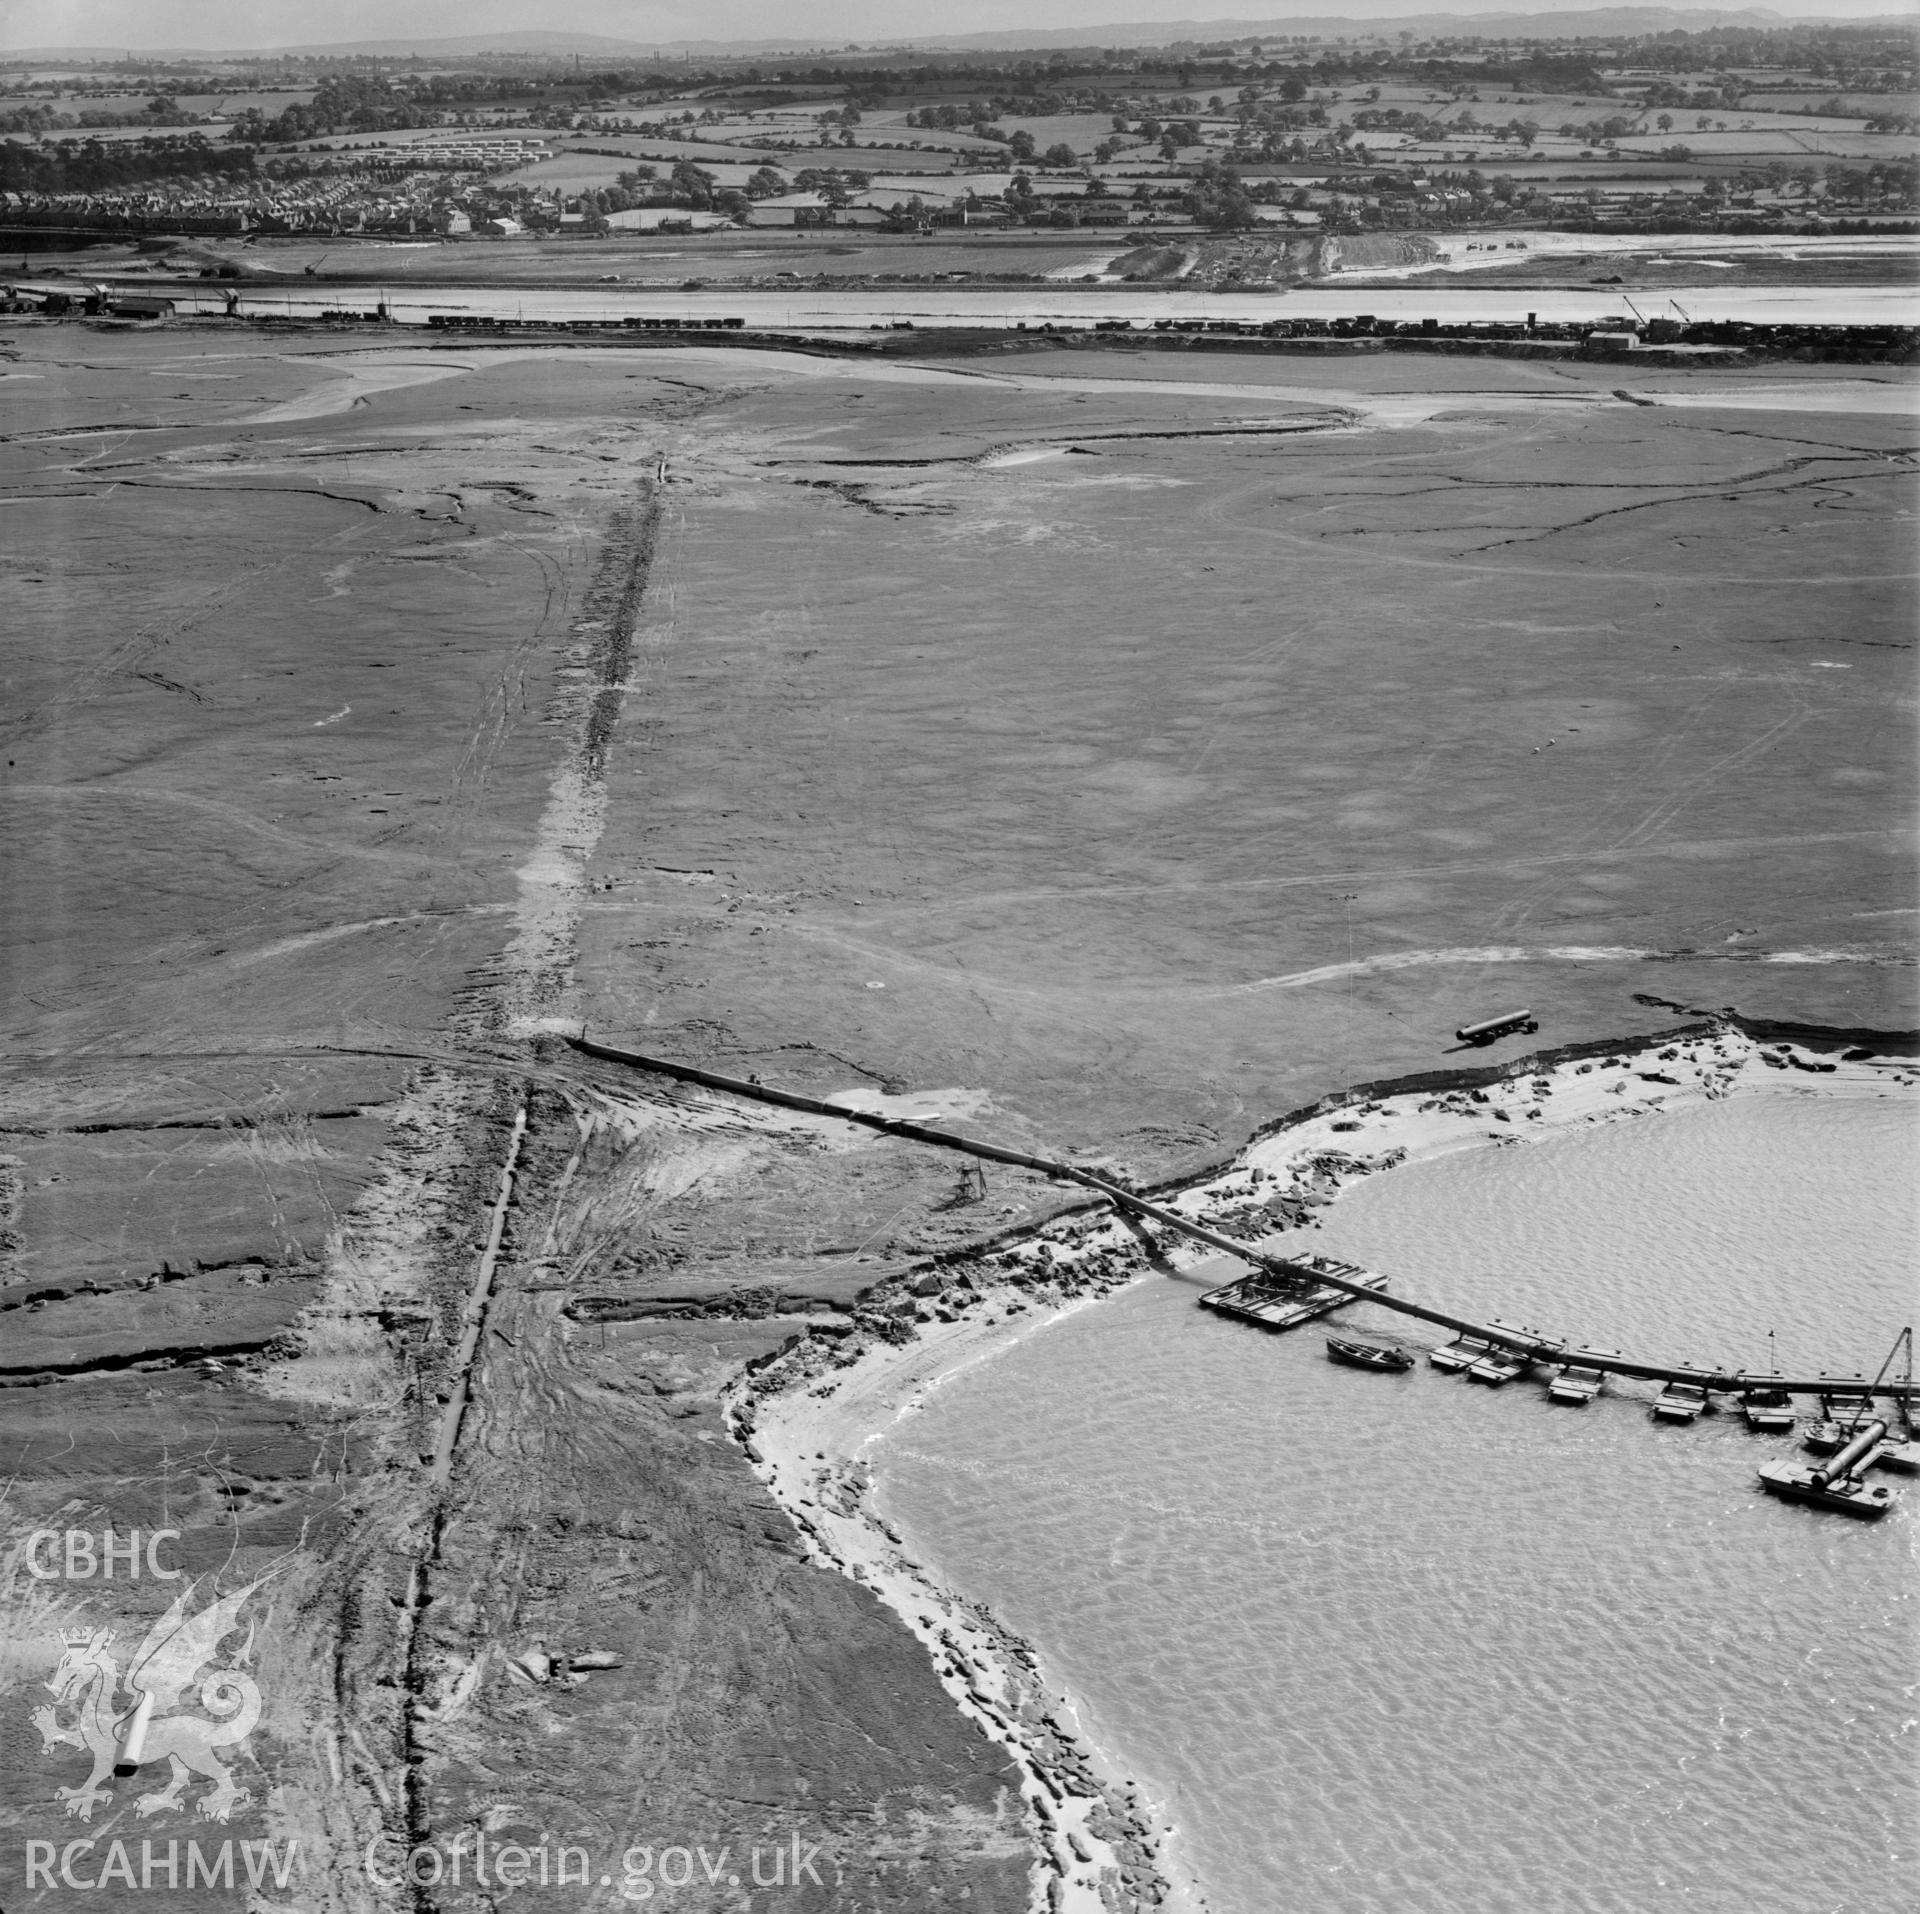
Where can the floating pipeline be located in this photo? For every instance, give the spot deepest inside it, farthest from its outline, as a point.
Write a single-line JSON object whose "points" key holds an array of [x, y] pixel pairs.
{"points": [[1535, 1348]]}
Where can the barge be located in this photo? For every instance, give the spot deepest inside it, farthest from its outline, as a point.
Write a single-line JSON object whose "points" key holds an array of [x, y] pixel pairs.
{"points": [[1681, 1402], [1462, 1353], [1578, 1383], [1768, 1410], [1286, 1292], [1838, 1484]]}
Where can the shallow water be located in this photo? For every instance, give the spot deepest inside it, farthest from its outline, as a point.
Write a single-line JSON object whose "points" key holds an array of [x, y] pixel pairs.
{"points": [[860, 311], [1404, 1642]]}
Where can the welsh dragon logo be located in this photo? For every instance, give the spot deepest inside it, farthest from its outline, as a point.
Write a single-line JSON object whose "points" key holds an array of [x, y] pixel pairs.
{"points": [[140, 1725]]}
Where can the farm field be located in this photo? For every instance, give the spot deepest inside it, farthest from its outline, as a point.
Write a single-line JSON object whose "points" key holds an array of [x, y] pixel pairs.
{"points": [[667, 259]]}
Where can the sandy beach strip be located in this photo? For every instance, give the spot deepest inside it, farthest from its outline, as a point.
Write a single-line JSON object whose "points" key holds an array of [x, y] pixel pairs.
{"points": [[809, 1416]]}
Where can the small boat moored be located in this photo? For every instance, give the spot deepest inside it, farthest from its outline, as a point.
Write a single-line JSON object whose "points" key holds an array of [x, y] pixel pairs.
{"points": [[1842, 1410], [1903, 1458], [1368, 1355], [1824, 1436], [1680, 1401]]}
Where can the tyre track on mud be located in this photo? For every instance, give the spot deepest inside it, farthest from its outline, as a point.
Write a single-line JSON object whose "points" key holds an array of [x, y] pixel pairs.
{"points": [[535, 972], [404, 1318]]}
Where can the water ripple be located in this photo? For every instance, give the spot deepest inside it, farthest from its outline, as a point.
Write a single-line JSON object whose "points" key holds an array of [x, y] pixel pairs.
{"points": [[1404, 1642]]}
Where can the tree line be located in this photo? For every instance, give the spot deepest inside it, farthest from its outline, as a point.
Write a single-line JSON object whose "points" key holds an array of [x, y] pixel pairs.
{"points": [[106, 166]]}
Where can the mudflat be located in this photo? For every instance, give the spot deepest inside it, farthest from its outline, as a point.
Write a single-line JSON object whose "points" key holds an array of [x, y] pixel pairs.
{"points": [[1104, 754]]}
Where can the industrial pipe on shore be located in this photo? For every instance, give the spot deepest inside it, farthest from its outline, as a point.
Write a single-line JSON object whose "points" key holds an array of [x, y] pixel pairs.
{"points": [[1514, 1020], [1534, 1347]]}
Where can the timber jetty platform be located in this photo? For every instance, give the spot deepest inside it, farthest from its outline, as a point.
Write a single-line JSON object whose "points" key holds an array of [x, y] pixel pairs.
{"points": [[1284, 1273], [1288, 1293]]}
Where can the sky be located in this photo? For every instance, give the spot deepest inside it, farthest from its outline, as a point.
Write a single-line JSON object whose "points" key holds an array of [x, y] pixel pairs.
{"points": [[269, 23]]}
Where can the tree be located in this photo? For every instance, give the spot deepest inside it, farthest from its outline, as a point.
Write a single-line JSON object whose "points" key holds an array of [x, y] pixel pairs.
{"points": [[829, 182], [692, 185], [1218, 198], [1059, 154], [765, 182], [1021, 146], [1665, 122]]}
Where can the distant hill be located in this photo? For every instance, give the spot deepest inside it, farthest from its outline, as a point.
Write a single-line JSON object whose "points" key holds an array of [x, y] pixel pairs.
{"points": [[1368, 17], [1379, 17], [600, 45]]}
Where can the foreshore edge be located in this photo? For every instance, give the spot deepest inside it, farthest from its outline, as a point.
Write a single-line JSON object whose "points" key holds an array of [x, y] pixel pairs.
{"points": [[807, 1414]]}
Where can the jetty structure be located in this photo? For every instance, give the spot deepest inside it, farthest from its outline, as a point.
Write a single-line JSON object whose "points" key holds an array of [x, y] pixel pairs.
{"points": [[1282, 1272], [1899, 1450], [1288, 1291]]}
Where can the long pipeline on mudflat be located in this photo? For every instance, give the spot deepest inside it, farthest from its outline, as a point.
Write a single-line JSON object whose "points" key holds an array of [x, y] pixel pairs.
{"points": [[1538, 1349]]}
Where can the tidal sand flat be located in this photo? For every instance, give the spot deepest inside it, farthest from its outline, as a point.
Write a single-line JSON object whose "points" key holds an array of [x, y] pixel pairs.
{"points": [[366, 732], [1374, 1640]]}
